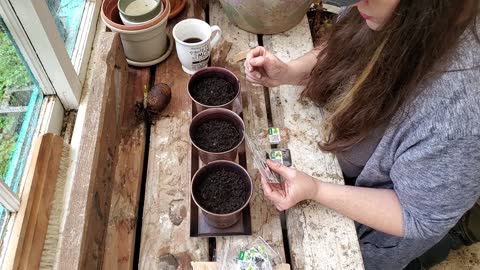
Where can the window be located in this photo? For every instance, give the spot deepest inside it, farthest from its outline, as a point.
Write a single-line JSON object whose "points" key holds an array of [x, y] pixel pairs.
{"points": [[20, 102], [44, 51], [67, 15]]}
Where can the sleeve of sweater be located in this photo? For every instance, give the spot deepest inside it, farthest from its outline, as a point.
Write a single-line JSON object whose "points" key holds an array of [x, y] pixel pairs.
{"points": [[436, 181]]}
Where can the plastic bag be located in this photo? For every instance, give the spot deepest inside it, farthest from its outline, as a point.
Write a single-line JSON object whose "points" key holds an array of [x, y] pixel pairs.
{"points": [[257, 255], [259, 161]]}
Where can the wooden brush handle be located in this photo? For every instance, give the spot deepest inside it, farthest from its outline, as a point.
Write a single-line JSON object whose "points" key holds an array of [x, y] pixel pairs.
{"points": [[30, 228]]}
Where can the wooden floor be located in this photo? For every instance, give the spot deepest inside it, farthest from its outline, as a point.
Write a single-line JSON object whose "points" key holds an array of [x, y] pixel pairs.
{"points": [[467, 258]]}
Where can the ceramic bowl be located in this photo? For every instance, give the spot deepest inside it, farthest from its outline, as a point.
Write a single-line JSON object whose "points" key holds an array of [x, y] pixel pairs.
{"points": [[128, 22], [139, 16]]}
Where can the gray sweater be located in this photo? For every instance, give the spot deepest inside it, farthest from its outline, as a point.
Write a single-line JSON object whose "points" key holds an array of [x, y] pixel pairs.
{"points": [[430, 156]]}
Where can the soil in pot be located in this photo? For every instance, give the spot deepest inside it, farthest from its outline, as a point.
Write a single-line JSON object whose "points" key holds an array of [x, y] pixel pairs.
{"points": [[216, 135], [222, 191], [213, 91]]}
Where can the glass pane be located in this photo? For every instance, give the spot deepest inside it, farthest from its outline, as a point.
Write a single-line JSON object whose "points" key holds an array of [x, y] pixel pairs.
{"points": [[20, 101], [3, 222], [68, 16]]}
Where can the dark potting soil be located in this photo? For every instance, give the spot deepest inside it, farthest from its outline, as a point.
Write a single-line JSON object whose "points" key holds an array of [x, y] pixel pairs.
{"points": [[222, 191], [213, 91], [216, 136]]}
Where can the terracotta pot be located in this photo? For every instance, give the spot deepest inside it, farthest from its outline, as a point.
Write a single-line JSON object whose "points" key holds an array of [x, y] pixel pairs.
{"points": [[214, 72], [111, 16], [221, 220], [177, 7], [143, 45], [223, 114], [265, 16]]}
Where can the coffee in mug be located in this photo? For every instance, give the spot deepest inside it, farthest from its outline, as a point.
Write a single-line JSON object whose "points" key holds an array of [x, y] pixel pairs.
{"points": [[194, 40]]}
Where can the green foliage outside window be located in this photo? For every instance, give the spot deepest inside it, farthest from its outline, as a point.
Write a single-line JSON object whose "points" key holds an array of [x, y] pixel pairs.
{"points": [[12, 71], [13, 74]]}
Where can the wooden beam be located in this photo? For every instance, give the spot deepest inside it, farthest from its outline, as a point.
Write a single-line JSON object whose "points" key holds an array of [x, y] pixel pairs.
{"points": [[319, 238], [84, 227], [122, 223], [166, 242]]}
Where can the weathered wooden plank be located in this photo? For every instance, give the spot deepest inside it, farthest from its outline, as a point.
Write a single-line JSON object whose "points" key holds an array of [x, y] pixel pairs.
{"points": [[89, 192], [265, 218], [319, 238], [166, 242], [122, 223]]}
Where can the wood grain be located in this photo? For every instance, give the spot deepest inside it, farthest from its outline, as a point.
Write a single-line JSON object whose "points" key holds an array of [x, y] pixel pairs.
{"points": [[319, 238], [265, 218], [122, 223], [87, 214], [31, 222], [166, 242]]}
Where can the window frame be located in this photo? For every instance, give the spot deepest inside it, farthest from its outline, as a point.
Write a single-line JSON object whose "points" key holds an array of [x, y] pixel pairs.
{"points": [[67, 75], [59, 77]]}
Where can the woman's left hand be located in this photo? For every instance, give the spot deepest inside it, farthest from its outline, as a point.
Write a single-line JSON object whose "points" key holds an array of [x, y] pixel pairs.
{"points": [[297, 187]]}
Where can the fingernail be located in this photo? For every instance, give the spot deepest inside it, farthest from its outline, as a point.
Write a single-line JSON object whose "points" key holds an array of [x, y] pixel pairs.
{"points": [[257, 75]]}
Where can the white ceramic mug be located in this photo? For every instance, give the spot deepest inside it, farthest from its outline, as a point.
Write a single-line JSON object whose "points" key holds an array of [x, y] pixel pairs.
{"points": [[194, 40]]}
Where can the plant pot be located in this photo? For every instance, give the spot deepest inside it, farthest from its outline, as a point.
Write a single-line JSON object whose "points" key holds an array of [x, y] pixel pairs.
{"points": [[128, 22], [215, 128], [147, 43], [177, 7], [265, 16], [213, 73], [111, 16], [233, 192], [140, 15]]}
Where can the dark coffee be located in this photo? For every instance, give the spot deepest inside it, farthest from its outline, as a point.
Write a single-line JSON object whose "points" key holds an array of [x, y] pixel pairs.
{"points": [[192, 40]]}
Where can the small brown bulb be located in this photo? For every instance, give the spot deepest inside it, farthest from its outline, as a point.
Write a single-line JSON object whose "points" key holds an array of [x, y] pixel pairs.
{"points": [[158, 98]]}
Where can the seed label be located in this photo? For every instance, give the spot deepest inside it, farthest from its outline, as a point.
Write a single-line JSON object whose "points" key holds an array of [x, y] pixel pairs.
{"points": [[282, 156], [274, 135]]}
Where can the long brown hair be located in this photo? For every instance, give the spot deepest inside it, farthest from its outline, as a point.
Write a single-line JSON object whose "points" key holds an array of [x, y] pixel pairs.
{"points": [[363, 77]]}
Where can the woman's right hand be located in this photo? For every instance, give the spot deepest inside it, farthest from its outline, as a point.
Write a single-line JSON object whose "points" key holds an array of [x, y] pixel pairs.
{"points": [[264, 68]]}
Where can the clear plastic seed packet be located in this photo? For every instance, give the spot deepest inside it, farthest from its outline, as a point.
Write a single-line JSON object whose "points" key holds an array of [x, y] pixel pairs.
{"points": [[259, 160], [257, 255]]}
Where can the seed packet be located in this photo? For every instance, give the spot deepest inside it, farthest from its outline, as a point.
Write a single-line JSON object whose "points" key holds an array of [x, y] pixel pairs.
{"points": [[259, 160], [257, 255], [281, 156], [276, 135]]}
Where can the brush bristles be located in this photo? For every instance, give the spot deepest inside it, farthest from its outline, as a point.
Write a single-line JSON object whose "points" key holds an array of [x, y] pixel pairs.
{"points": [[52, 238]]}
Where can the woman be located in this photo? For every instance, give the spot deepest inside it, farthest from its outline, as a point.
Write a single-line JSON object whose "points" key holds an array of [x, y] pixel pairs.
{"points": [[399, 80]]}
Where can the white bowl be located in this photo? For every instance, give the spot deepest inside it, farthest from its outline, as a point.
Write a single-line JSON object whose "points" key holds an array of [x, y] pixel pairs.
{"points": [[129, 23]]}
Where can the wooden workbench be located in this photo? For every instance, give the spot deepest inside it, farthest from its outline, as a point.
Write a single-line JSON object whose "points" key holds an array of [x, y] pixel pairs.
{"points": [[318, 238]]}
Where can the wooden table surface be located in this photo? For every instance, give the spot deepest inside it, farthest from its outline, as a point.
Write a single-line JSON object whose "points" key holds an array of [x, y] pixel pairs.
{"points": [[318, 238]]}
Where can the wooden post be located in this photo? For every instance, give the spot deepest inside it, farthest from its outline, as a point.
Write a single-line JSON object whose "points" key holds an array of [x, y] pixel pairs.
{"points": [[82, 240]]}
